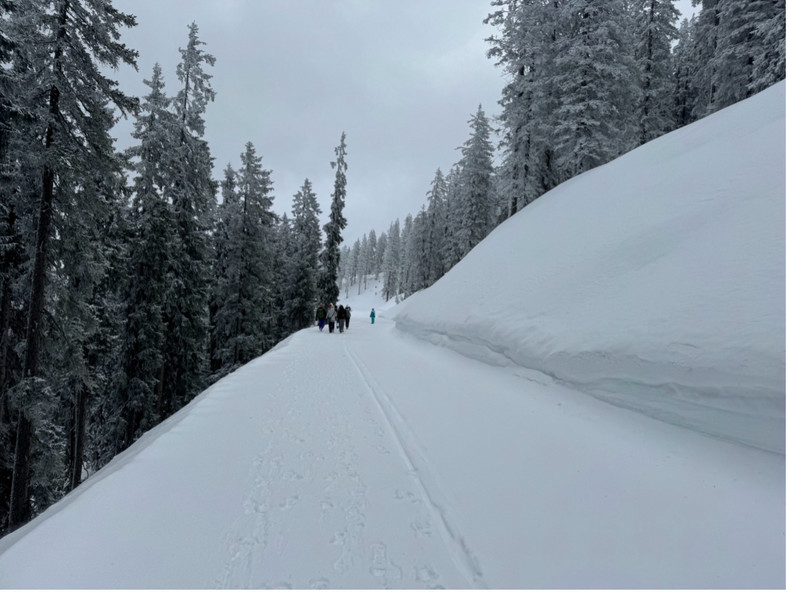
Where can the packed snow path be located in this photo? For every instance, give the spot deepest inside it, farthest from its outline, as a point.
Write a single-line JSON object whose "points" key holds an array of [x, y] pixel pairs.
{"points": [[369, 459], [334, 499]]}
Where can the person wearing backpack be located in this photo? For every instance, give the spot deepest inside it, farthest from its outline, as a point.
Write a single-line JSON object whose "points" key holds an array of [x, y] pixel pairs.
{"points": [[320, 316], [341, 318]]}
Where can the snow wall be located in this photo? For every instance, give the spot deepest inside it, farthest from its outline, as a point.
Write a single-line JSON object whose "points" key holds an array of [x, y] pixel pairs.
{"points": [[655, 282]]}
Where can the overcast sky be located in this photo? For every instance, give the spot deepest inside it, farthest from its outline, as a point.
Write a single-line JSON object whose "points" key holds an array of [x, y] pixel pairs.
{"points": [[400, 78]]}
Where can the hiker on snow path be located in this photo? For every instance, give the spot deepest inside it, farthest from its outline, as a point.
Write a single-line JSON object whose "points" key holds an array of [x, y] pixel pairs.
{"points": [[331, 317], [320, 316]]}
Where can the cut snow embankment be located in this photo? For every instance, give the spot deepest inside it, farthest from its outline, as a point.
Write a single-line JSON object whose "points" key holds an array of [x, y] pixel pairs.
{"points": [[655, 282]]}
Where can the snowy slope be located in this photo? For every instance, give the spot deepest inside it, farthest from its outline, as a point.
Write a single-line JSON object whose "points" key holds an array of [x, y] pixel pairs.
{"points": [[373, 459], [656, 282]]}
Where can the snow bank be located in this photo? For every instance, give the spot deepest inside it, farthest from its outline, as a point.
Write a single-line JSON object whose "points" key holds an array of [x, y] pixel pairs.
{"points": [[655, 282]]}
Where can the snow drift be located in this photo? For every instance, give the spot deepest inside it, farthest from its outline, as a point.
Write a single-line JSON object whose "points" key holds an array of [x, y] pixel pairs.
{"points": [[655, 282]]}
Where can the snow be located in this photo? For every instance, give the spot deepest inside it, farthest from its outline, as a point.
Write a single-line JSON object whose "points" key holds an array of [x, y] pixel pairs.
{"points": [[656, 282], [377, 458]]}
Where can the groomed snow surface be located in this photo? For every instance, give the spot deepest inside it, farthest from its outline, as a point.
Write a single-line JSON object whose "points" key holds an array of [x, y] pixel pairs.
{"points": [[609, 411]]}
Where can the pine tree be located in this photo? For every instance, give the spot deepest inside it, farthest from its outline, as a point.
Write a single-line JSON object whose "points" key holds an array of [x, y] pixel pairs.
{"points": [[526, 49], [770, 60], [406, 259], [277, 323], [371, 257], [595, 78], [243, 294], [329, 257], [380, 253], [365, 257], [150, 251], [306, 229], [192, 195], [705, 39], [684, 67], [453, 245], [72, 41], [225, 259], [355, 265], [418, 252], [391, 262], [16, 217], [345, 269], [80, 298], [741, 44], [475, 196], [105, 351], [655, 31], [436, 228]]}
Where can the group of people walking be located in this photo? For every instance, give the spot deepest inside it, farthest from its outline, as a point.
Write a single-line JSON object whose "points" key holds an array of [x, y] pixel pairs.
{"points": [[332, 317], [339, 316]]}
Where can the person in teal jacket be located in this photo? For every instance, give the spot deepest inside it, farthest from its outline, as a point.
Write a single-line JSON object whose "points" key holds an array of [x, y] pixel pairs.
{"points": [[372, 316]]}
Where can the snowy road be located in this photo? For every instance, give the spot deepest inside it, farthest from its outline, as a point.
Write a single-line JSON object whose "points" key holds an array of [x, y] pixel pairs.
{"points": [[370, 459], [334, 499]]}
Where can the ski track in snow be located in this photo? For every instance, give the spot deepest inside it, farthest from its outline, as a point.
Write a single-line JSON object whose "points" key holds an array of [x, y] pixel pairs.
{"points": [[336, 468], [418, 465]]}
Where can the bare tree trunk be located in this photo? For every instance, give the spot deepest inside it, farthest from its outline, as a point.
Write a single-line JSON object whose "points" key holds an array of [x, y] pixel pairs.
{"points": [[20, 502], [77, 439], [19, 512]]}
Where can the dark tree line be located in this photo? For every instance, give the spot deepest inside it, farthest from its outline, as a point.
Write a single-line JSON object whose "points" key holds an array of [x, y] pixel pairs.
{"points": [[129, 281]]}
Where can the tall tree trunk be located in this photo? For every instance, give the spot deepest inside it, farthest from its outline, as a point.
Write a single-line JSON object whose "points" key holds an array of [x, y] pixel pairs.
{"points": [[20, 503], [9, 264], [19, 512], [77, 437]]}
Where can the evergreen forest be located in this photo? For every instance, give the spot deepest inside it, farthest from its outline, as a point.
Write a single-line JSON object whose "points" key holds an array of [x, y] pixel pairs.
{"points": [[131, 280]]}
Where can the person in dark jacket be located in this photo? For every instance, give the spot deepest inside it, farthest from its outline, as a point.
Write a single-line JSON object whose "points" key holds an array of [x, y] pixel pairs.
{"points": [[320, 316], [341, 318], [347, 319]]}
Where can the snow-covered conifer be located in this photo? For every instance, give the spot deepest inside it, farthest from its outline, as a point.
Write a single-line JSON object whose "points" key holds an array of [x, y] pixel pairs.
{"points": [[380, 253], [306, 231], [329, 257], [595, 80], [655, 31], [684, 67], [770, 60], [244, 290], [71, 43], [391, 261], [192, 195], [525, 48], [436, 227], [372, 256], [475, 190], [452, 247], [744, 26], [150, 249], [354, 265]]}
